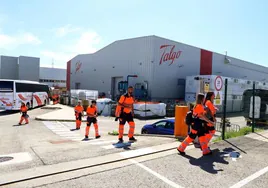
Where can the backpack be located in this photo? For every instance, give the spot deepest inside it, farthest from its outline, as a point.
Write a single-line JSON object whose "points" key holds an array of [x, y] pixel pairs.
{"points": [[189, 120]]}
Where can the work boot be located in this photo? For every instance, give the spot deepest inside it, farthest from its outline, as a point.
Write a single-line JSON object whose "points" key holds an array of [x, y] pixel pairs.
{"points": [[98, 137], [210, 153], [132, 139], [181, 152], [120, 140]]}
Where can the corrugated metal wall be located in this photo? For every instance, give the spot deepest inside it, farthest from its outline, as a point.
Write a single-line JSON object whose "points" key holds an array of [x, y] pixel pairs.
{"points": [[166, 73], [29, 68], [9, 67], [121, 58], [142, 56]]}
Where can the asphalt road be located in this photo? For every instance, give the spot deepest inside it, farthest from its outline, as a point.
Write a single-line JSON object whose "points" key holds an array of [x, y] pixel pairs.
{"points": [[45, 143], [236, 162], [240, 162]]}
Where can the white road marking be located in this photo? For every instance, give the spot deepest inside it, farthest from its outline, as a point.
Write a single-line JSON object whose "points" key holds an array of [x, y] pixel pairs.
{"points": [[102, 142], [17, 158], [108, 147], [137, 152], [66, 134], [118, 145], [164, 179], [250, 178]]}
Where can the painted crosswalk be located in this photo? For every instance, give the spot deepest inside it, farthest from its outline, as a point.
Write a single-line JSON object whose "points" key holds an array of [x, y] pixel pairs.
{"points": [[62, 129]]}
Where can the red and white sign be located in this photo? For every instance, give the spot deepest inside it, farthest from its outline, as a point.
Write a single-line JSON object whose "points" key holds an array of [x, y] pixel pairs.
{"points": [[78, 66], [170, 55], [218, 83]]}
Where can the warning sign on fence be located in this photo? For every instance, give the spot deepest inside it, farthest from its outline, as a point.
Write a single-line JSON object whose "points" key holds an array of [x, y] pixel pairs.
{"points": [[218, 98]]}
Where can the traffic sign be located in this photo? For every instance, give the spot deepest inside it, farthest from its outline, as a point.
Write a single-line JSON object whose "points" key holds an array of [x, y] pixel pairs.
{"points": [[218, 83], [218, 98]]}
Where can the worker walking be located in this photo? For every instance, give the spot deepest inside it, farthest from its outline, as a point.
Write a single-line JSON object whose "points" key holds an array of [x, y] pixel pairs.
{"points": [[92, 113], [211, 111], [24, 115], [197, 127], [125, 113], [78, 109]]}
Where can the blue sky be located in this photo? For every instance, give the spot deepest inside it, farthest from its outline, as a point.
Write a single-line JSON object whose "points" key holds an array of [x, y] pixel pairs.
{"points": [[61, 29]]}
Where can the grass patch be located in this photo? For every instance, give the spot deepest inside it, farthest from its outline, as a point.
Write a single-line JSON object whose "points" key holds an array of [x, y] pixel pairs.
{"points": [[242, 132], [113, 133]]}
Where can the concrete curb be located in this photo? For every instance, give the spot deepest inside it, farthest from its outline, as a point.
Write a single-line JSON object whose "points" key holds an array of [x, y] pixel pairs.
{"points": [[55, 169], [60, 120], [52, 108], [155, 135]]}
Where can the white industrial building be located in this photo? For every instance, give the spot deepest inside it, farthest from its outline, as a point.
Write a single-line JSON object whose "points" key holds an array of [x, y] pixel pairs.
{"points": [[53, 77], [161, 65], [28, 68]]}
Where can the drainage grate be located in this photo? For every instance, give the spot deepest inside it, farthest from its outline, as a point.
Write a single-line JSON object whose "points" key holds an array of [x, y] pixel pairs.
{"points": [[4, 159]]}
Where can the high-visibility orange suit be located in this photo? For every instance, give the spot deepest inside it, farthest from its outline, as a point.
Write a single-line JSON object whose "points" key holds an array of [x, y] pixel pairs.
{"points": [[92, 113], [24, 116], [78, 109], [210, 129], [124, 112], [197, 130]]}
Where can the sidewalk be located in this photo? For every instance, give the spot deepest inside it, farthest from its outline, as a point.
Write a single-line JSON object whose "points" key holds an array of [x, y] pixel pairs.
{"points": [[66, 114], [238, 145], [60, 113]]}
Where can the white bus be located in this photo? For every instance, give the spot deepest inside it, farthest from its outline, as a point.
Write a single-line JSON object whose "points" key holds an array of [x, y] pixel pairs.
{"points": [[13, 92]]}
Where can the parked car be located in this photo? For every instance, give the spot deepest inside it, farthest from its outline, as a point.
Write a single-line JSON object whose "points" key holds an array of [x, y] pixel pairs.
{"points": [[165, 127]]}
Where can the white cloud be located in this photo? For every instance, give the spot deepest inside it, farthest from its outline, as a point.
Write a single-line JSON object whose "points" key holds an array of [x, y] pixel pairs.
{"points": [[65, 30], [57, 56], [11, 42], [85, 44]]}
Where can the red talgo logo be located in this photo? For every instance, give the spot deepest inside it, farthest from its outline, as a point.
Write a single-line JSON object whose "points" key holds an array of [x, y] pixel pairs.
{"points": [[169, 56], [78, 66]]}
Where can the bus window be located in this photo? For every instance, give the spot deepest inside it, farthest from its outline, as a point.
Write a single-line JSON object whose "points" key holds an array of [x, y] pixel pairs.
{"points": [[6, 86]]}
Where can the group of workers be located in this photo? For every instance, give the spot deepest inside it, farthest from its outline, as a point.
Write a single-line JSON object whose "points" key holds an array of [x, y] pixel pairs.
{"points": [[124, 112], [202, 126], [92, 113]]}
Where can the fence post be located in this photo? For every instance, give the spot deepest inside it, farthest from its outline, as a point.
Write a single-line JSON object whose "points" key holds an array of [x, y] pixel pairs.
{"points": [[253, 107], [224, 108]]}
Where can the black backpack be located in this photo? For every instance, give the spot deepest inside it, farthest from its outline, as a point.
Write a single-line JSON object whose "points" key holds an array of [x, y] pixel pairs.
{"points": [[189, 118]]}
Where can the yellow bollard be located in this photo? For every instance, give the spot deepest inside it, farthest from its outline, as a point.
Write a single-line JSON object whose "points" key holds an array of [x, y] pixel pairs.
{"points": [[180, 129]]}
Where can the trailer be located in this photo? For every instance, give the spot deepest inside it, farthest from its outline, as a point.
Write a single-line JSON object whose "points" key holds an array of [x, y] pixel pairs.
{"points": [[235, 90], [261, 106]]}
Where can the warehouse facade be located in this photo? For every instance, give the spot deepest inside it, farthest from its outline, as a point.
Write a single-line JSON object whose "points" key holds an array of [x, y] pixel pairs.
{"points": [[160, 64], [53, 77], [28, 68], [19, 68]]}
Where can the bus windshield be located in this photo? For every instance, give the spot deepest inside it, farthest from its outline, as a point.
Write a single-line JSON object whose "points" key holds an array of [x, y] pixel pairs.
{"points": [[6, 86]]}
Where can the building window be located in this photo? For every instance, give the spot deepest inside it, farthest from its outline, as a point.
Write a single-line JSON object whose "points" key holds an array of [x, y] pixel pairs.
{"points": [[77, 85]]}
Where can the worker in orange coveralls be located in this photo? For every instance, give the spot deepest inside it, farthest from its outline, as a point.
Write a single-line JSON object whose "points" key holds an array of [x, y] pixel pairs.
{"points": [[23, 111], [211, 111], [92, 113], [197, 128], [78, 109], [125, 113]]}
